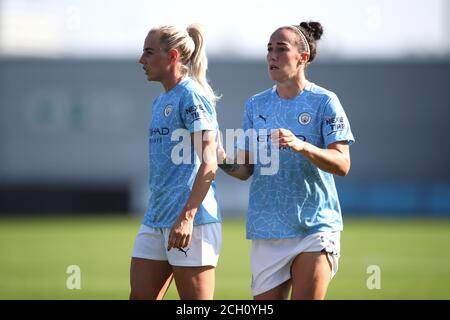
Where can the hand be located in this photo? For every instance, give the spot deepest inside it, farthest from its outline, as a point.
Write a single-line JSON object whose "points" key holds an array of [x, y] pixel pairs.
{"points": [[181, 233], [285, 138]]}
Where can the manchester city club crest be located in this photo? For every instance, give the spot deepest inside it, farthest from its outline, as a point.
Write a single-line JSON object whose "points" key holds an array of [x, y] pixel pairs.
{"points": [[168, 110], [304, 118]]}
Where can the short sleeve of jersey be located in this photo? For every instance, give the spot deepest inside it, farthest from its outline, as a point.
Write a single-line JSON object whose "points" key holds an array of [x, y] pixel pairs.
{"points": [[197, 112], [335, 125], [243, 142]]}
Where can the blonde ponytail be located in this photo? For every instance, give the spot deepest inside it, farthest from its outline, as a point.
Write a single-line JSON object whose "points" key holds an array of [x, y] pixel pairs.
{"points": [[199, 62]]}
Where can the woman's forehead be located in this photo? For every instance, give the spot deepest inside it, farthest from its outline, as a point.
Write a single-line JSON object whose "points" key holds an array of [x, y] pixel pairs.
{"points": [[283, 35], [153, 36]]}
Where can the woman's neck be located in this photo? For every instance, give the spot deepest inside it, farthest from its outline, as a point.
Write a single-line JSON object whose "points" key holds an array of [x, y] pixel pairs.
{"points": [[172, 81], [291, 88]]}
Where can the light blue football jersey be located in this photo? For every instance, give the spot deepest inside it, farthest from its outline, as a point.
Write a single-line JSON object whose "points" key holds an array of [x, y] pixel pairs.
{"points": [[184, 109], [299, 199]]}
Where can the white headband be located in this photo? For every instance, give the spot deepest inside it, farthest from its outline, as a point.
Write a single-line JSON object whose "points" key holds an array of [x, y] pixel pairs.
{"points": [[303, 38]]}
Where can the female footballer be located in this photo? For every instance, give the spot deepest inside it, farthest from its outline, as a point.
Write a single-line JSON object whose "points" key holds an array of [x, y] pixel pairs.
{"points": [[180, 236], [294, 217]]}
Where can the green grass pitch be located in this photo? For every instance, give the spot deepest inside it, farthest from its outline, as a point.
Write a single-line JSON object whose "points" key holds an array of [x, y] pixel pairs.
{"points": [[413, 256]]}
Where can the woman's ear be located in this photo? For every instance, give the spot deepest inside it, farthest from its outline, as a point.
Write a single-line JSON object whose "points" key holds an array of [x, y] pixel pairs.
{"points": [[304, 58], [174, 56]]}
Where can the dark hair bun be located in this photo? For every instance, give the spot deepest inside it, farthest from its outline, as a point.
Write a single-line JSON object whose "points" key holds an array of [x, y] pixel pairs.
{"points": [[314, 29]]}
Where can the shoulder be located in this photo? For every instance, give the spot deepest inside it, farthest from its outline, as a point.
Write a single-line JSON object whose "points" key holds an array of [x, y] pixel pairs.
{"points": [[320, 92], [191, 91], [329, 103], [325, 100], [189, 87]]}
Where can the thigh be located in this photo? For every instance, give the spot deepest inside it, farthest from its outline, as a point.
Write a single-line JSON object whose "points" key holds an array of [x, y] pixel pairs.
{"points": [[311, 274], [195, 283], [149, 279], [280, 292]]}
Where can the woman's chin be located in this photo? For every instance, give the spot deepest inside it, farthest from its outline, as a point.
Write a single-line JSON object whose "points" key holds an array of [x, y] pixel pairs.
{"points": [[272, 75], [275, 75]]}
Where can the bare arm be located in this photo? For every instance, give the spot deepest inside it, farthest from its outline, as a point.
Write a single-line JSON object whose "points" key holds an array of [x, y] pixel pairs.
{"points": [[205, 147], [239, 167], [335, 159]]}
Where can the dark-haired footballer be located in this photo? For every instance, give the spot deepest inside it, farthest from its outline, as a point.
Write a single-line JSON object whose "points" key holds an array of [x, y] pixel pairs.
{"points": [[294, 216]]}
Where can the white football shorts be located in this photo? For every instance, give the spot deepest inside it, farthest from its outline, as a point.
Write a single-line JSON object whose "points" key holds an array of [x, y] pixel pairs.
{"points": [[203, 249], [271, 259]]}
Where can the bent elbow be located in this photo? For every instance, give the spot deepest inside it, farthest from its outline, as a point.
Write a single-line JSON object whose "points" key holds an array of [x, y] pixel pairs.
{"points": [[343, 170]]}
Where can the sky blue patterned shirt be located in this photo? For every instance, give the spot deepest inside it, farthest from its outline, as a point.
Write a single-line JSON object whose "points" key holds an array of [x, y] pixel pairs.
{"points": [[299, 199], [175, 114]]}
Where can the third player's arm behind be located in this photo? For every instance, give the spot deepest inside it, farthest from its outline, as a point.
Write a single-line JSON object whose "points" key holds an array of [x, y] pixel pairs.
{"points": [[239, 167]]}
